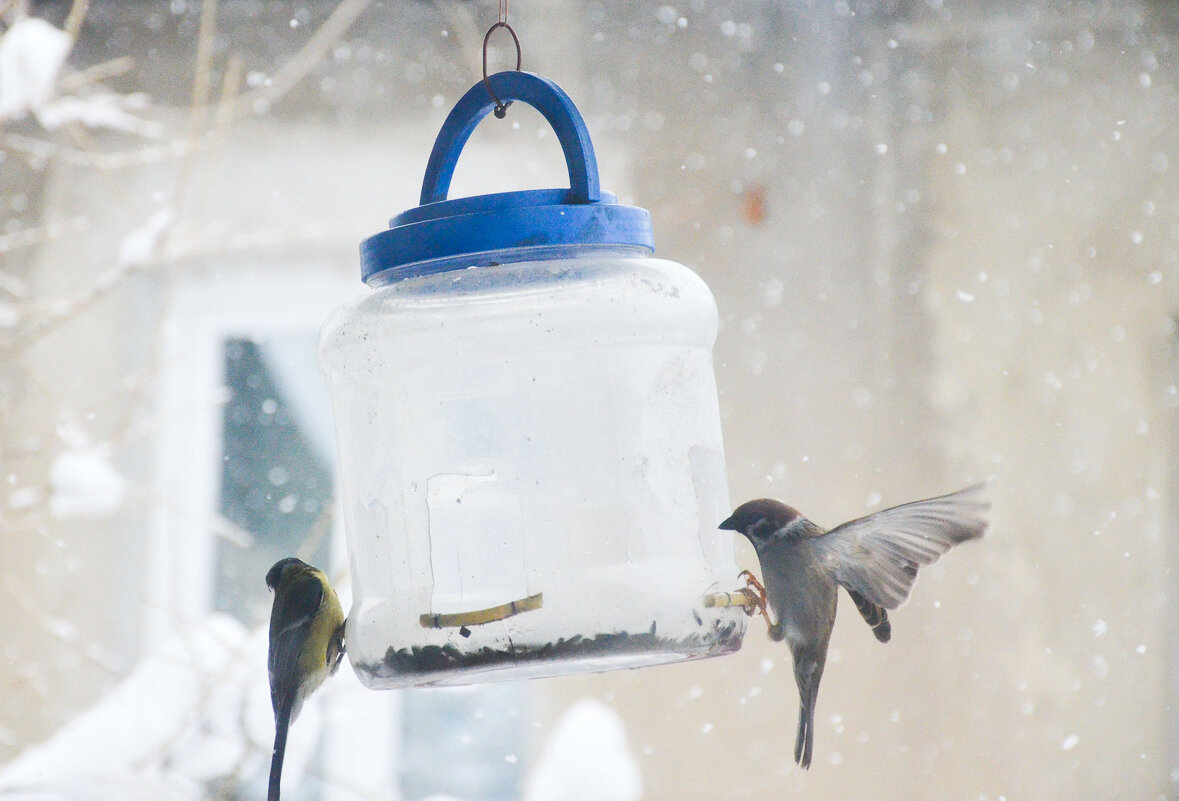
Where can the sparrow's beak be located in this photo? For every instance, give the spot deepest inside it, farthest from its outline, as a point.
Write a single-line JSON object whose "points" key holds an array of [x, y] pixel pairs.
{"points": [[729, 525]]}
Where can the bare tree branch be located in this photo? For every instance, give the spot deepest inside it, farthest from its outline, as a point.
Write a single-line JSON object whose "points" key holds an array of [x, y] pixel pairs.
{"points": [[291, 73], [94, 74], [73, 23], [42, 150], [29, 237]]}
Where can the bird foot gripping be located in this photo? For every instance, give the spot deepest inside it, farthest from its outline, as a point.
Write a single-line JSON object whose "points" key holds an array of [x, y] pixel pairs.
{"points": [[759, 592]]}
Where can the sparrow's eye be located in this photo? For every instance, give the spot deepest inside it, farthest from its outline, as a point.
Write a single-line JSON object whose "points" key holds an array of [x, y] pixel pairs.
{"points": [[761, 529]]}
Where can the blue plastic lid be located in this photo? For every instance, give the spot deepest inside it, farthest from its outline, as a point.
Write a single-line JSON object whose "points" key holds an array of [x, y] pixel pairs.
{"points": [[442, 235]]}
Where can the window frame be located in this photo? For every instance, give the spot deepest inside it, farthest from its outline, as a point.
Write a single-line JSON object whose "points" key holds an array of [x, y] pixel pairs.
{"points": [[205, 310]]}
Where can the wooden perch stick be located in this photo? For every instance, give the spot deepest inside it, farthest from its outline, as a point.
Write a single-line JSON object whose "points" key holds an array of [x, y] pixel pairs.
{"points": [[480, 616], [743, 598]]}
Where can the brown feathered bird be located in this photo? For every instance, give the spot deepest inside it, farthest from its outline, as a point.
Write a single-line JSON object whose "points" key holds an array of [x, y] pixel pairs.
{"points": [[874, 558]]}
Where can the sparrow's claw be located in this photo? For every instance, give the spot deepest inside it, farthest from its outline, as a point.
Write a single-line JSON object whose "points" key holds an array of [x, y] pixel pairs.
{"points": [[752, 582], [755, 586]]}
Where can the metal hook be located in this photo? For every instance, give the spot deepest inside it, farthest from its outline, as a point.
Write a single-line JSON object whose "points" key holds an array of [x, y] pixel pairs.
{"points": [[501, 109]]}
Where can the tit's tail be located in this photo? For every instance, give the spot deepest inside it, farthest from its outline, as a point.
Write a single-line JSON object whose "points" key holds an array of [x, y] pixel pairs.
{"points": [[875, 616], [282, 722], [807, 673]]}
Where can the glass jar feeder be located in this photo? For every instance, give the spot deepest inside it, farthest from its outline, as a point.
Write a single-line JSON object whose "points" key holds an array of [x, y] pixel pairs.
{"points": [[530, 446]]}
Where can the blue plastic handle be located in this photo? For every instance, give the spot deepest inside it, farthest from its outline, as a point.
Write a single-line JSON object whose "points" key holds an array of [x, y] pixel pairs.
{"points": [[538, 92]]}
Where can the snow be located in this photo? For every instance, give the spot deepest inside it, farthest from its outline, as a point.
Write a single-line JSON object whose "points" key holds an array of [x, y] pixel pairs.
{"points": [[24, 498], [139, 247], [586, 759], [10, 315], [85, 483], [32, 53], [174, 723], [99, 110]]}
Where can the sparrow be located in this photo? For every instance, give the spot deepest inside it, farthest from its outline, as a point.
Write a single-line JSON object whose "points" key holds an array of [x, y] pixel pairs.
{"points": [[874, 558], [306, 646]]}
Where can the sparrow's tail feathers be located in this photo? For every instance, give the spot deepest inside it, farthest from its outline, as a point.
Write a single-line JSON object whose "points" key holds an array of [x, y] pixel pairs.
{"points": [[804, 743], [875, 616], [807, 673], [282, 722]]}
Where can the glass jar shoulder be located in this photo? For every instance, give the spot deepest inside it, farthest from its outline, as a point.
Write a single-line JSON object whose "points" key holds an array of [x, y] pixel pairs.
{"points": [[641, 297], [607, 276]]}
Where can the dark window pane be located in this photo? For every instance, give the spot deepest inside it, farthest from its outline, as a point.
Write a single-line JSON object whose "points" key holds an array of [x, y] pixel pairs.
{"points": [[276, 483]]}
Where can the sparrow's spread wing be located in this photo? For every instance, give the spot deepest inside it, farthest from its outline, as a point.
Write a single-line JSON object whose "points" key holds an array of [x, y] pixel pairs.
{"points": [[877, 556]]}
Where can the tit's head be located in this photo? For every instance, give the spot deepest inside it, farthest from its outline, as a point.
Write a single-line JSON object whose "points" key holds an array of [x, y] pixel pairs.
{"points": [[283, 568], [759, 520]]}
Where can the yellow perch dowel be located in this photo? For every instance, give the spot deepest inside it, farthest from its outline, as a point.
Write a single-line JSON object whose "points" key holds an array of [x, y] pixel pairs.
{"points": [[743, 598], [480, 616]]}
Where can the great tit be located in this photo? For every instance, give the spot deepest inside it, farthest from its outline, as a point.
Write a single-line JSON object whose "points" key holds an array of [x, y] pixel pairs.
{"points": [[874, 558], [306, 646]]}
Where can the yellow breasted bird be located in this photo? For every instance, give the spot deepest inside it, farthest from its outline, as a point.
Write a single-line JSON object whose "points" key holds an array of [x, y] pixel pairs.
{"points": [[306, 646]]}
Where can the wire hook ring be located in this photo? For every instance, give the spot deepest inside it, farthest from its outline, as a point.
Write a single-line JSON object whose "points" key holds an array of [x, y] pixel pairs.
{"points": [[501, 109]]}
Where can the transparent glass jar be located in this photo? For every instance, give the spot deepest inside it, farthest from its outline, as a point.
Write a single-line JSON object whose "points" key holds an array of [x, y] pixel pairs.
{"points": [[530, 447]]}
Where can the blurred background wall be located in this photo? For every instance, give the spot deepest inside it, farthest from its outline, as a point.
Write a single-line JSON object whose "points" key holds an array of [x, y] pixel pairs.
{"points": [[944, 242]]}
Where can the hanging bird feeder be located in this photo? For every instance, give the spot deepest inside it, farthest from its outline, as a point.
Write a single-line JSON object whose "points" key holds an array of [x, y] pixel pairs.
{"points": [[530, 445]]}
